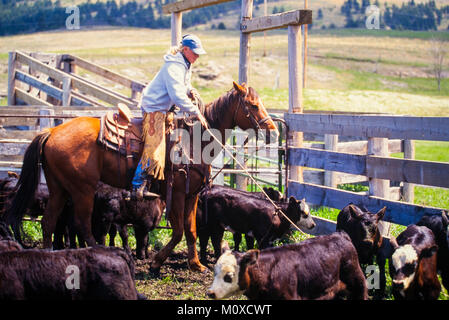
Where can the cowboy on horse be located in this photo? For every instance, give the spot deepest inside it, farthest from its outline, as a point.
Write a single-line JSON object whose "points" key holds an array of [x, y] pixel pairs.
{"points": [[171, 86]]}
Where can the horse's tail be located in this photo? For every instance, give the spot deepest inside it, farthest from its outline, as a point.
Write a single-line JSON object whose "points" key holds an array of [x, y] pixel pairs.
{"points": [[25, 188]]}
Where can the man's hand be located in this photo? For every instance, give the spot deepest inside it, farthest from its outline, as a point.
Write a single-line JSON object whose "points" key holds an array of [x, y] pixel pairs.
{"points": [[194, 94]]}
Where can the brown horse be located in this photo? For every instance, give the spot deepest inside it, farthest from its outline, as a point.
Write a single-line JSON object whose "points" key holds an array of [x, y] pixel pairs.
{"points": [[73, 163]]}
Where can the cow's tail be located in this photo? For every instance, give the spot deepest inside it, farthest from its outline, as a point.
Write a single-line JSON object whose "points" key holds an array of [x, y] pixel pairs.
{"points": [[25, 188]]}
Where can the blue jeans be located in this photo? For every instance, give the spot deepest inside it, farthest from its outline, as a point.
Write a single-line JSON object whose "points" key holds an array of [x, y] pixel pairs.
{"points": [[139, 176]]}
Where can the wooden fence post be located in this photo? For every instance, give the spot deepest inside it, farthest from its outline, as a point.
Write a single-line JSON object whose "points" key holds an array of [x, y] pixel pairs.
{"points": [[244, 57], [295, 104], [11, 78], [66, 87], [331, 144], [43, 124], [176, 28], [409, 188], [379, 187]]}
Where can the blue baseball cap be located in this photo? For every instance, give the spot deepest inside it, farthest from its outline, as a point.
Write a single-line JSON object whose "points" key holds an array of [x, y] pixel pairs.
{"points": [[194, 43]]}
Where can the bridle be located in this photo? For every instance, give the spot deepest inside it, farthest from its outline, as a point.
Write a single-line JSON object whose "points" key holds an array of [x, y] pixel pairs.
{"points": [[256, 124]]}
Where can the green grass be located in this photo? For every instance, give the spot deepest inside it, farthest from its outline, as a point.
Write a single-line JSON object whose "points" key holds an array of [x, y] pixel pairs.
{"points": [[432, 151], [435, 197]]}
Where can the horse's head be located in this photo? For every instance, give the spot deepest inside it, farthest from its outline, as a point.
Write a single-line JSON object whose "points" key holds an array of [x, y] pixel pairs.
{"points": [[250, 112]]}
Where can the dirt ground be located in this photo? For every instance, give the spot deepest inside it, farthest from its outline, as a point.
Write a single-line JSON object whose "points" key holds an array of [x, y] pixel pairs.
{"points": [[175, 281]]}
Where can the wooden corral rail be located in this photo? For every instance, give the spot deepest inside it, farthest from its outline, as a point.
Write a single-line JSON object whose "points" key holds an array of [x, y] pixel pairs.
{"points": [[377, 168], [276, 21], [181, 6], [62, 83]]}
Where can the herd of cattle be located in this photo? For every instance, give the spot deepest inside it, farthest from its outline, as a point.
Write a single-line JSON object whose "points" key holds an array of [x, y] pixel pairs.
{"points": [[323, 267]]}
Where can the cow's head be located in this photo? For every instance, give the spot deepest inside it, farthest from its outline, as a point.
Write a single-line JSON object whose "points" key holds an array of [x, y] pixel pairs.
{"points": [[273, 194], [404, 264], [231, 273], [299, 212], [363, 229]]}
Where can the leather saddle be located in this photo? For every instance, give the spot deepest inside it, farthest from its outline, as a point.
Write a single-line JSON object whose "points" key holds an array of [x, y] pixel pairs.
{"points": [[122, 133]]}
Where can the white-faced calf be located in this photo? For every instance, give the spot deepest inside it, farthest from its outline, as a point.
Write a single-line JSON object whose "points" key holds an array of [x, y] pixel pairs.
{"points": [[413, 265], [325, 267]]}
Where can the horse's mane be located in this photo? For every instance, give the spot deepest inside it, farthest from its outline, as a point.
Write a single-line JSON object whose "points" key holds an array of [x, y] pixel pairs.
{"points": [[215, 110]]}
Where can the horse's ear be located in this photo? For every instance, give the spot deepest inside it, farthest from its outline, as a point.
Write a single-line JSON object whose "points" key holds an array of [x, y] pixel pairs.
{"points": [[240, 88]]}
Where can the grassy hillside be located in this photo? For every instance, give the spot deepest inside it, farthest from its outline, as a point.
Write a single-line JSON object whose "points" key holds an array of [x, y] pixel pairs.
{"points": [[351, 72]]}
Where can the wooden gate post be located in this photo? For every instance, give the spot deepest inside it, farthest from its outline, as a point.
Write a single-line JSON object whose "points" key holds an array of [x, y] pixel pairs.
{"points": [[409, 188], [295, 103], [244, 57], [247, 13], [330, 143], [379, 187], [176, 28]]}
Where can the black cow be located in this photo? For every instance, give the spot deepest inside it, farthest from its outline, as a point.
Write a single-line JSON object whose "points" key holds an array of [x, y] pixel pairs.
{"points": [[273, 194], [413, 265], [113, 213], [7, 191], [243, 212], [99, 273], [36, 208], [144, 215], [362, 227], [324, 267], [439, 226]]}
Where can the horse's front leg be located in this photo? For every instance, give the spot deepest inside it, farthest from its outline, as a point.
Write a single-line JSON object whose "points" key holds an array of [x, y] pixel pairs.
{"points": [[176, 217], [190, 232]]}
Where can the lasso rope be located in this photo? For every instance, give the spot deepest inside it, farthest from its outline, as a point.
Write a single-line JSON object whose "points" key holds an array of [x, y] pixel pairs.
{"points": [[277, 208]]}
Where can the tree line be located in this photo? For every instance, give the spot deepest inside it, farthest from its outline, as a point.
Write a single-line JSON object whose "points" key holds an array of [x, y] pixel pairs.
{"points": [[42, 15], [408, 16]]}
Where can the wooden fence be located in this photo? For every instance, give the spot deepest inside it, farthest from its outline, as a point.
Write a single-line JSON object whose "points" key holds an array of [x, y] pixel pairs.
{"points": [[378, 168], [50, 79]]}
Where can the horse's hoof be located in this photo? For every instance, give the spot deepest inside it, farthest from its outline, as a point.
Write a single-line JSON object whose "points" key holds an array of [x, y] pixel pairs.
{"points": [[198, 268]]}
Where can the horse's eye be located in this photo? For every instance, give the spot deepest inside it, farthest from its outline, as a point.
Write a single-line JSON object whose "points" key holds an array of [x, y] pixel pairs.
{"points": [[255, 107]]}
